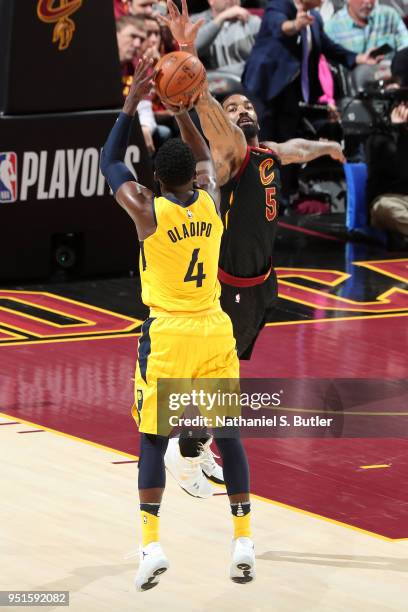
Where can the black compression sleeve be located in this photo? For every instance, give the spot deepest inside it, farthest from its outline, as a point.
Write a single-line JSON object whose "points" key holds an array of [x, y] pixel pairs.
{"points": [[113, 153]]}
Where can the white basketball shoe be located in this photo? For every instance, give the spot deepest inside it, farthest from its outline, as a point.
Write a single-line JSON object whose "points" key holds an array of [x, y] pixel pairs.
{"points": [[212, 470], [243, 561], [187, 471], [153, 563]]}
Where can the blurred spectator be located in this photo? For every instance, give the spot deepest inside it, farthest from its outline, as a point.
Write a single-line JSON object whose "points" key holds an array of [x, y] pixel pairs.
{"points": [[282, 70], [329, 7], [387, 156], [131, 38], [226, 39], [364, 24], [154, 49], [153, 38], [120, 8], [133, 41], [401, 6], [141, 7]]}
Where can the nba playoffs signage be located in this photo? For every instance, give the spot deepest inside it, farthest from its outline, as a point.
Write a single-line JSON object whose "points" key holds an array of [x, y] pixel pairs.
{"points": [[51, 186], [8, 177], [56, 175], [57, 157]]}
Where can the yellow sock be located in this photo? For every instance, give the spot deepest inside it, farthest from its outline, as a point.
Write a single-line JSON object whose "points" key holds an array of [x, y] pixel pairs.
{"points": [[241, 518], [149, 514]]}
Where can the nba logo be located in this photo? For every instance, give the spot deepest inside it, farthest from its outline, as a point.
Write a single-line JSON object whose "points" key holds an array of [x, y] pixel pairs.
{"points": [[8, 177]]}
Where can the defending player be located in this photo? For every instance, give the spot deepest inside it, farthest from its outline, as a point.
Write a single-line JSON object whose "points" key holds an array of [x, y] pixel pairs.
{"points": [[249, 176], [187, 335], [248, 173]]}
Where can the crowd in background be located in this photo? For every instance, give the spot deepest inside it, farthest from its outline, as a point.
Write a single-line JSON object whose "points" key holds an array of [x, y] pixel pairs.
{"points": [[286, 55]]}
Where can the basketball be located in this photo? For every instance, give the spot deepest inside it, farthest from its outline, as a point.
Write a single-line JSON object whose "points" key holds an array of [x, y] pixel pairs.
{"points": [[179, 77]]}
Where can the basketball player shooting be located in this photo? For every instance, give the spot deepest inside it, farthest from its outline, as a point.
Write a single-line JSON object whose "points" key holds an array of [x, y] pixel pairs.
{"points": [[186, 332], [248, 173]]}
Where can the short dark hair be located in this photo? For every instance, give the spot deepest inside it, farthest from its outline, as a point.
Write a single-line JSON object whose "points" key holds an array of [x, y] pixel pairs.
{"points": [[222, 99], [134, 20], [175, 163]]}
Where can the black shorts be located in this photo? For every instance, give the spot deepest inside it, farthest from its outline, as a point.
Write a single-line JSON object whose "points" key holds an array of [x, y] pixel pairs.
{"points": [[247, 307]]}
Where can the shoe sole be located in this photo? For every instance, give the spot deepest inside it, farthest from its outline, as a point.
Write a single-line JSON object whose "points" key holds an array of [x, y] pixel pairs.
{"points": [[213, 479], [245, 569], [185, 490], [151, 582]]}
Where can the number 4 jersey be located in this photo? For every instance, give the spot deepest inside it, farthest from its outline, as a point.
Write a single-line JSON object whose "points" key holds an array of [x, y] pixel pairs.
{"points": [[179, 262]]}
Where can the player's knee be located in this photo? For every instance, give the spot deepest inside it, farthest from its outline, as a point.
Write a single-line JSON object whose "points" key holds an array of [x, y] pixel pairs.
{"points": [[150, 443]]}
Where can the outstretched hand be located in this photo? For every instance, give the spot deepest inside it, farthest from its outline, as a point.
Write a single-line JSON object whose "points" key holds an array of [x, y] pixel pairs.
{"points": [[179, 109], [399, 114], [141, 85], [336, 152], [180, 25]]}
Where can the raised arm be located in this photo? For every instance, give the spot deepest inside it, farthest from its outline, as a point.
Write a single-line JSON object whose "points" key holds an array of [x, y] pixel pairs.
{"points": [[227, 142], [131, 195], [300, 151], [206, 176]]}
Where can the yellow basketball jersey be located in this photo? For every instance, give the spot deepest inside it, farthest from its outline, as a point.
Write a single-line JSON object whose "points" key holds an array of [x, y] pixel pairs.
{"points": [[179, 262]]}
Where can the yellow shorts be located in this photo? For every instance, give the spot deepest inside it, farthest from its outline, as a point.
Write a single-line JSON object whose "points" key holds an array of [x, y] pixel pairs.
{"points": [[180, 347]]}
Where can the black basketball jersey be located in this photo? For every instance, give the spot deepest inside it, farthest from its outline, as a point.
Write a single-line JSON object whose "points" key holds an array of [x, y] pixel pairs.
{"points": [[249, 209]]}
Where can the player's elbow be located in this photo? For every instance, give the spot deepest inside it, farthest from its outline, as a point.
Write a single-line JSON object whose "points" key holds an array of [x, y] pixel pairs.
{"points": [[104, 164]]}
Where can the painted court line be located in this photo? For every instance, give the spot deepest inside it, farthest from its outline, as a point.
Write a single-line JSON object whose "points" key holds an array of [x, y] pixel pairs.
{"points": [[259, 497]]}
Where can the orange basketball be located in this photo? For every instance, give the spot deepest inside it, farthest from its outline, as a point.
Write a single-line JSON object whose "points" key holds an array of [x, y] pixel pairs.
{"points": [[179, 77]]}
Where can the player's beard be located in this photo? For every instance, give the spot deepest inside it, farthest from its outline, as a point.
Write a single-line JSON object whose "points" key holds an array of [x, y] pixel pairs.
{"points": [[251, 130]]}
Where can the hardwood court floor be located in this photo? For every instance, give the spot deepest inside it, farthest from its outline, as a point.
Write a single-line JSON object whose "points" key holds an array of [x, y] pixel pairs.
{"points": [[69, 517], [330, 515]]}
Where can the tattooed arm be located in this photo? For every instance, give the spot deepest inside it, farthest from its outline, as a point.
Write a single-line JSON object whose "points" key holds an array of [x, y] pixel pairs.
{"points": [[300, 151], [227, 142]]}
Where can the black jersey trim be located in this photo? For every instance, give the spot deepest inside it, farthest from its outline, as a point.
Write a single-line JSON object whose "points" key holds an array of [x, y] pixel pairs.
{"points": [[154, 211], [267, 150], [144, 347], [184, 204], [142, 253]]}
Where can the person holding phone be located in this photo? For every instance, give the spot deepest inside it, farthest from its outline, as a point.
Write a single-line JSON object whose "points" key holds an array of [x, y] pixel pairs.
{"points": [[283, 69], [365, 25]]}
